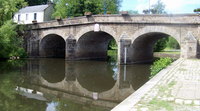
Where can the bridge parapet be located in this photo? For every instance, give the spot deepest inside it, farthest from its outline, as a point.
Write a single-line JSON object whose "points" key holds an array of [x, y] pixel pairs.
{"points": [[180, 19]]}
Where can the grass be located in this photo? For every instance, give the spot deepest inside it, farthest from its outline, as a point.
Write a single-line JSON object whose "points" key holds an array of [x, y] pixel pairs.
{"points": [[157, 104], [170, 51], [182, 69], [171, 84]]}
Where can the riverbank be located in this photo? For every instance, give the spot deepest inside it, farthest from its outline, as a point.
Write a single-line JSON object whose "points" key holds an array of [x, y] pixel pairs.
{"points": [[175, 88], [173, 55]]}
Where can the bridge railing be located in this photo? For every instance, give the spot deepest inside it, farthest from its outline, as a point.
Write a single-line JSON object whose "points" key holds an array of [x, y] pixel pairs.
{"points": [[180, 19]]}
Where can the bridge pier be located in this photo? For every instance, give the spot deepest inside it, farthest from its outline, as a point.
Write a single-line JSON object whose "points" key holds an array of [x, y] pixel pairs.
{"points": [[189, 47], [124, 51], [70, 48]]}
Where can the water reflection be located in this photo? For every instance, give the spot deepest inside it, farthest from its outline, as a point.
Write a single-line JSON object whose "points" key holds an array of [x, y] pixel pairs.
{"points": [[78, 86], [52, 70], [94, 80]]}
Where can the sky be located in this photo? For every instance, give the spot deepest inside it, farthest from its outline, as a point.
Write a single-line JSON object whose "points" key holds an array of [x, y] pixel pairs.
{"points": [[171, 6]]}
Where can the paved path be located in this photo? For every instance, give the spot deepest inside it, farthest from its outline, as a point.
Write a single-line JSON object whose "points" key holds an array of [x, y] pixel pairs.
{"points": [[176, 88]]}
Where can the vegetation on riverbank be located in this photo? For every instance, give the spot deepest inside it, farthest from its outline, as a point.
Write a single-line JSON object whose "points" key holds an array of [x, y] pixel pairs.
{"points": [[10, 40], [160, 64], [166, 44]]}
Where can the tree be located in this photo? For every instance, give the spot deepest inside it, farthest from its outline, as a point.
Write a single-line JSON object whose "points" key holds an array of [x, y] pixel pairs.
{"points": [[8, 8], [36, 2], [10, 42], [197, 10], [160, 44], [158, 8], [74, 8], [172, 43], [111, 6]]}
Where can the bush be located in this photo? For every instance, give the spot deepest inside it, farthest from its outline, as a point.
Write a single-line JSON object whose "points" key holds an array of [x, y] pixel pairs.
{"points": [[159, 65], [160, 44], [172, 43], [10, 41], [112, 44]]}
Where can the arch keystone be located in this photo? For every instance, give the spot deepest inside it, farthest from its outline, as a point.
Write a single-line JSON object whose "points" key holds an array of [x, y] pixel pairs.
{"points": [[96, 27]]}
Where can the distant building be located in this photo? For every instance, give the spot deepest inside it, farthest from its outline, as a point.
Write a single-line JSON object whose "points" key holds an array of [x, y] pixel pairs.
{"points": [[38, 13]]}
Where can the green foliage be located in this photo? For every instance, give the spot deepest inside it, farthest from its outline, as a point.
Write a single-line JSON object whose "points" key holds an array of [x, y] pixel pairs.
{"points": [[112, 44], [158, 8], [10, 42], [172, 43], [160, 44], [112, 55], [160, 105], [197, 10], [74, 8], [167, 42], [8, 8], [36, 2], [111, 5], [159, 65]]}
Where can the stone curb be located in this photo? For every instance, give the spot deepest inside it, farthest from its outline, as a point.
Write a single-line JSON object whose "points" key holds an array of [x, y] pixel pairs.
{"points": [[133, 99]]}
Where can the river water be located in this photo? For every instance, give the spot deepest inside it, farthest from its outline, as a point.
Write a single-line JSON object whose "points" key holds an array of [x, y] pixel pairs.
{"points": [[59, 85]]}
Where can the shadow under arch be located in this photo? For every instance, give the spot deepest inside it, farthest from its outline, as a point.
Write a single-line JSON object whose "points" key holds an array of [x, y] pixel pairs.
{"points": [[95, 76], [93, 45], [143, 46], [52, 46], [52, 70], [158, 29]]}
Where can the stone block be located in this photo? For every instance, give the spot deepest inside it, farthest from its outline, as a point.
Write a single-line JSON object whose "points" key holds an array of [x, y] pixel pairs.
{"points": [[179, 101], [197, 102]]}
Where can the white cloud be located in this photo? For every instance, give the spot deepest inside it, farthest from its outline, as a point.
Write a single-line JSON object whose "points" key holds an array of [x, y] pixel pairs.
{"points": [[179, 6], [171, 6]]}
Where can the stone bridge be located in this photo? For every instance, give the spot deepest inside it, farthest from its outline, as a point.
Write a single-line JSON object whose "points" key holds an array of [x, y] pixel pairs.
{"points": [[88, 37]]}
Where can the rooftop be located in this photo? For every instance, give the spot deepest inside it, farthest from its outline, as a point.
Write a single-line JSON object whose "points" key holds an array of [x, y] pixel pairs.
{"points": [[37, 8]]}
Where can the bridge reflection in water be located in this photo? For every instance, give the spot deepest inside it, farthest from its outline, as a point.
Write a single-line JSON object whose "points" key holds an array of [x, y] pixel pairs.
{"points": [[93, 83]]}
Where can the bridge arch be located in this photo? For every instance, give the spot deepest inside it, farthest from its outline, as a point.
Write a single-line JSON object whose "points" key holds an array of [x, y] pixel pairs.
{"points": [[93, 45], [158, 29], [52, 46], [105, 29], [144, 39]]}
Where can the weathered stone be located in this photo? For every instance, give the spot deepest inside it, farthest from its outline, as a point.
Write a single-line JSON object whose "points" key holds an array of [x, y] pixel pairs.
{"points": [[179, 101], [144, 109], [139, 31], [170, 99], [187, 102], [197, 102]]}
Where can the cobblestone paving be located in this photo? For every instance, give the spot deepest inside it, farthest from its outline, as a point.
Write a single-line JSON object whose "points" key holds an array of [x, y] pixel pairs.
{"points": [[178, 90]]}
